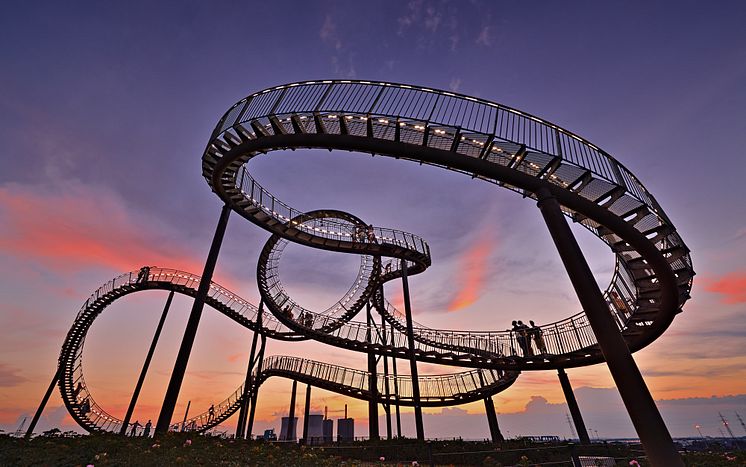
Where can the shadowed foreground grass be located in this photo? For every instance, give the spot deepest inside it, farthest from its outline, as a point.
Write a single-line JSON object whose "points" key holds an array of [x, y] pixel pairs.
{"points": [[190, 449], [174, 449]]}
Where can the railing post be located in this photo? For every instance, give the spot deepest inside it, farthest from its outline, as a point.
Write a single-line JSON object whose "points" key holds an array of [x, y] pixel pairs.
{"points": [[182, 359], [145, 366], [639, 402]]}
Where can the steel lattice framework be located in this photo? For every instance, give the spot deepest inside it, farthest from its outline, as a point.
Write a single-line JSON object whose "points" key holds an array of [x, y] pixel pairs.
{"points": [[484, 140]]}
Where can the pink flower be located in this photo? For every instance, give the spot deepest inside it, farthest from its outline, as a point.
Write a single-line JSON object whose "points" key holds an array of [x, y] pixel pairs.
{"points": [[188, 442], [381, 458], [634, 462]]}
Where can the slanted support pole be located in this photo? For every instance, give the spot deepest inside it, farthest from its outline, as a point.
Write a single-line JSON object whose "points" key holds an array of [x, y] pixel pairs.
{"points": [[373, 432], [489, 408], [182, 359], [145, 366], [572, 404], [412, 358], [637, 399], [43, 404], [255, 391], [290, 435], [306, 413], [243, 412]]}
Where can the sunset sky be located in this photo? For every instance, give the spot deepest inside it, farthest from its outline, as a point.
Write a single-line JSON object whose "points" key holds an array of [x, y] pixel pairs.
{"points": [[105, 109]]}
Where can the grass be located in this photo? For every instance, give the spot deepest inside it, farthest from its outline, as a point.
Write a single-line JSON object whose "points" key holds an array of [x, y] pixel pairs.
{"points": [[56, 449]]}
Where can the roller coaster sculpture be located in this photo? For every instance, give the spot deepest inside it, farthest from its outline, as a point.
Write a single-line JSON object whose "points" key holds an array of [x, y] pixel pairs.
{"points": [[491, 142]]}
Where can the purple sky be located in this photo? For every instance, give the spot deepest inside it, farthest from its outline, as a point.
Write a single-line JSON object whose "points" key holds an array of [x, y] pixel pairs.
{"points": [[105, 110]]}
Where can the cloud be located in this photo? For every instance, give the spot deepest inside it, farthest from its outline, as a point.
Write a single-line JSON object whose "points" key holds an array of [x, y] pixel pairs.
{"points": [[82, 227], [9, 376], [731, 287], [455, 84], [485, 37], [328, 33], [473, 265]]}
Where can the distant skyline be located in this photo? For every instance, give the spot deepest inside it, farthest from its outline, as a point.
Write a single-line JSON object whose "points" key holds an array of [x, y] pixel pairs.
{"points": [[106, 109]]}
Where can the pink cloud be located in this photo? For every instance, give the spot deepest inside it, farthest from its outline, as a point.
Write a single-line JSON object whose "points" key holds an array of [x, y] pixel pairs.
{"points": [[83, 227], [473, 271], [731, 287]]}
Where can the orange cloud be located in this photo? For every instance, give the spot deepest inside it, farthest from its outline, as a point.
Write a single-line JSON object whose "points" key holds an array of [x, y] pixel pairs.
{"points": [[473, 270], [83, 227], [731, 287]]}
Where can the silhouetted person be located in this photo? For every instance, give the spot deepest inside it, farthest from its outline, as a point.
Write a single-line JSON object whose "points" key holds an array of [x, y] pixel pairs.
{"points": [[146, 432], [142, 276], [521, 335], [371, 234], [211, 413], [85, 406], [135, 425], [387, 268], [538, 335], [77, 391]]}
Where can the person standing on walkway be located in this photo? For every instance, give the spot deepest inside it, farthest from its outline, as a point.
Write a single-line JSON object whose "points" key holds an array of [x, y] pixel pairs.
{"points": [[538, 336]]}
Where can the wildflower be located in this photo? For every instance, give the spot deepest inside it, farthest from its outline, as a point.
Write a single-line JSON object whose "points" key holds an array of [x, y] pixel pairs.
{"points": [[188, 442], [156, 445], [381, 458], [634, 463], [415, 464]]}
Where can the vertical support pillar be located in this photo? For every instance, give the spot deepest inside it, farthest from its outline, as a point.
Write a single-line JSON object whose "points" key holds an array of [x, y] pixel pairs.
{"points": [[386, 389], [243, 413], [412, 359], [255, 390], [572, 404], [182, 359], [489, 408], [290, 435], [145, 366], [373, 432], [306, 413], [43, 404], [639, 402], [396, 388]]}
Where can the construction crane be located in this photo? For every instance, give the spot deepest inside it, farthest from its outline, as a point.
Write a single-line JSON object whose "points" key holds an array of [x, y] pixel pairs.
{"points": [[19, 431], [725, 424], [740, 420], [572, 427]]}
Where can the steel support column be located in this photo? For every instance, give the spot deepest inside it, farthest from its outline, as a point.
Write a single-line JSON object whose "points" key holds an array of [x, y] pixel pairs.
{"points": [[572, 404], [146, 365], [255, 391], [306, 413], [645, 416], [412, 359], [243, 413], [373, 432], [43, 403], [182, 359], [396, 394], [290, 435], [489, 408], [386, 388]]}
